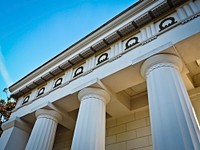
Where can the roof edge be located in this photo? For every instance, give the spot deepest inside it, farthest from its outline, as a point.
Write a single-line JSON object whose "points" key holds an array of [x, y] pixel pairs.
{"points": [[79, 41]]}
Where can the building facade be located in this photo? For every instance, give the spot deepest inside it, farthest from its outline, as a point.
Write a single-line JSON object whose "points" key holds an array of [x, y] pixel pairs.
{"points": [[132, 84]]}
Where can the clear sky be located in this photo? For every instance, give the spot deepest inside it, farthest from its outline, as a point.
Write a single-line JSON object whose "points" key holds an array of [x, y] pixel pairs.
{"points": [[34, 31]]}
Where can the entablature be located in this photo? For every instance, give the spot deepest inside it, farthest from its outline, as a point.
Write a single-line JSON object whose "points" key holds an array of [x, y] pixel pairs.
{"points": [[138, 31]]}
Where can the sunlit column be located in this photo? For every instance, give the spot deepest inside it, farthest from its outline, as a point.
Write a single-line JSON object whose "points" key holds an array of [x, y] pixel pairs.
{"points": [[43, 133], [89, 132], [173, 122]]}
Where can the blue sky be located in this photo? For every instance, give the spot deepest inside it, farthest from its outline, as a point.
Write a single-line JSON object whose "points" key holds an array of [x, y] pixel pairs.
{"points": [[34, 31]]}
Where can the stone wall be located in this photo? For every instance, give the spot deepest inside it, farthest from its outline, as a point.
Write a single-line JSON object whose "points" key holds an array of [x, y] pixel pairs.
{"points": [[63, 139], [196, 105], [130, 132]]}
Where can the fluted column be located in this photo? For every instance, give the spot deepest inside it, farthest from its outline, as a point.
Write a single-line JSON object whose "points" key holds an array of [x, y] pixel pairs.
{"points": [[173, 122], [43, 133], [89, 132]]}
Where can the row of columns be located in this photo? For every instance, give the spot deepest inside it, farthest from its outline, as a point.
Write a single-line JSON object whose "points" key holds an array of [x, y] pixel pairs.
{"points": [[173, 121], [89, 133]]}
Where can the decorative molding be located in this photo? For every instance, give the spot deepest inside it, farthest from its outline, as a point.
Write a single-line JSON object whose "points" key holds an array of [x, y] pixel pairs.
{"points": [[160, 60], [58, 82], [91, 96], [87, 72], [76, 74], [149, 40], [160, 66], [78, 71], [167, 22], [103, 57], [190, 18], [50, 114], [94, 93], [115, 57], [162, 8], [25, 100], [131, 42], [41, 91]]}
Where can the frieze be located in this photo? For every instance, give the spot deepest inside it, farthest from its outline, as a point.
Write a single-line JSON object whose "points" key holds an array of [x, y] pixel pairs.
{"points": [[41, 91], [167, 22], [131, 42], [26, 99], [149, 40], [102, 58], [78, 71], [190, 18], [58, 82]]}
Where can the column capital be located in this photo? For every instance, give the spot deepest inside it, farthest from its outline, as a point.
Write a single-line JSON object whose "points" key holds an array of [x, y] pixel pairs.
{"points": [[161, 60], [50, 114], [94, 92]]}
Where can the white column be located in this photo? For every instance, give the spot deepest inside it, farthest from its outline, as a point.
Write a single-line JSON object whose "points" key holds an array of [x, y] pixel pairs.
{"points": [[173, 122], [15, 134], [89, 132], [43, 133]]}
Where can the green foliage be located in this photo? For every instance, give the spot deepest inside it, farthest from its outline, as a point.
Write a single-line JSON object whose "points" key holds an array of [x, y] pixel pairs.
{"points": [[5, 110]]}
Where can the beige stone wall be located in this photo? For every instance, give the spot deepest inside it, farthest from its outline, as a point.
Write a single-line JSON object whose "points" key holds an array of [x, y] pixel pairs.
{"points": [[63, 139], [130, 132], [196, 105]]}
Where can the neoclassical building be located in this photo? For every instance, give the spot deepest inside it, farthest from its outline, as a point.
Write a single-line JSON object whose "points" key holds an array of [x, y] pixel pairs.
{"points": [[132, 84]]}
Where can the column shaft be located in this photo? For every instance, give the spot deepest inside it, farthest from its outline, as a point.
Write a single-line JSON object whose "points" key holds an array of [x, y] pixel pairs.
{"points": [[43, 133], [90, 127], [173, 120]]}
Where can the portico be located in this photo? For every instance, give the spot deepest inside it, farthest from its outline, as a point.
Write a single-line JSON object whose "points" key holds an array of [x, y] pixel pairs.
{"points": [[135, 86]]}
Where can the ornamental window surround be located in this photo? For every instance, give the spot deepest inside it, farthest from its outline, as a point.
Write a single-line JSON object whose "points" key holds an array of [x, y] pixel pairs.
{"points": [[41, 91], [25, 100], [78, 71], [58, 82]]}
